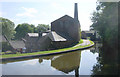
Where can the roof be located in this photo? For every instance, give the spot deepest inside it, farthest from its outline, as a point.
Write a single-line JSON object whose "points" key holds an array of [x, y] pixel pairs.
{"points": [[33, 34], [92, 31], [43, 34], [63, 17], [17, 44], [37, 34], [56, 37], [2, 39]]}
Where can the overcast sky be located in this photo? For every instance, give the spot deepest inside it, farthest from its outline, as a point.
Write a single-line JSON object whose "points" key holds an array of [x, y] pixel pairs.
{"points": [[45, 11]]}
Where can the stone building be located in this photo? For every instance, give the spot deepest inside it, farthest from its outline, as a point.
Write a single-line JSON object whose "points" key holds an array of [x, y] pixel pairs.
{"points": [[92, 34], [67, 26], [10, 45], [65, 32]]}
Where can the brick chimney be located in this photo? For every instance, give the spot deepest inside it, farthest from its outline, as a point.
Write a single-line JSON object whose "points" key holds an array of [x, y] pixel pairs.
{"points": [[76, 12]]}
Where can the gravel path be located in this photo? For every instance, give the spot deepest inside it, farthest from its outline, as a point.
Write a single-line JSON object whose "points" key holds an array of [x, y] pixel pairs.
{"points": [[85, 42]]}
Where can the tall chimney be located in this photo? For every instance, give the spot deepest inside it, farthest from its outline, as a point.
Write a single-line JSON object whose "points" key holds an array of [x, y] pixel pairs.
{"points": [[40, 34], [76, 12]]}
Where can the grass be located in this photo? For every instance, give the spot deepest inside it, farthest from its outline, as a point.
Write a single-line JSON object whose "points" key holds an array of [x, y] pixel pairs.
{"points": [[46, 52]]}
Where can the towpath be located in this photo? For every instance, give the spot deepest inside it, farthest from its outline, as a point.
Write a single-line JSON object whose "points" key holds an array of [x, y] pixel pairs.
{"points": [[85, 42]]}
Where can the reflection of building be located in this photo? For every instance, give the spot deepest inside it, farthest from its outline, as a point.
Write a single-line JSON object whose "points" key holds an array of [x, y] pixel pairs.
{"points": [[65, 62], [65, 32]]}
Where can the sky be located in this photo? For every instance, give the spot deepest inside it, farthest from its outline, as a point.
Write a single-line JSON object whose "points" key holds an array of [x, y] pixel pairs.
{"points": [[45, 11]]}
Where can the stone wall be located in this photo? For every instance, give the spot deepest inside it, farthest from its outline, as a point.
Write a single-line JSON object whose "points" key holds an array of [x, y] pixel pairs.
{"points": [[61, 44], [44, 43], [31, 44]]}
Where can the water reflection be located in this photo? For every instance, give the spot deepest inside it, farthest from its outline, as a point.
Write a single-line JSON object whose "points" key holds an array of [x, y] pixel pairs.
{"points": [[107, 61], [95, 61], [73, 63], [66, 62]]}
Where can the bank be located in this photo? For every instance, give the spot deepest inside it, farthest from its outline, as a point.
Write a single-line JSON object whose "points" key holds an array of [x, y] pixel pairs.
{"points": [[80, 46]]}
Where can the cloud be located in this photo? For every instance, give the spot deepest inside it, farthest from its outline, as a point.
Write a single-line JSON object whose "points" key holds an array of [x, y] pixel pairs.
{"points": [[0, 14], [29, 12], [38, 21], [22, 0], [30, 62]]}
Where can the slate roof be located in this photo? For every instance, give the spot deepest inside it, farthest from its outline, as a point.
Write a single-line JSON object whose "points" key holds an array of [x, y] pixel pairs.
{"points": [[63, 17], [17, 44], [52, 35], [33, 34], [43, 34], [36, 34], [56, 37]]}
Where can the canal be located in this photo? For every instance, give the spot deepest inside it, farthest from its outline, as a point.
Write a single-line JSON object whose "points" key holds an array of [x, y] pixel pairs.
{"points": [[86, 62]]}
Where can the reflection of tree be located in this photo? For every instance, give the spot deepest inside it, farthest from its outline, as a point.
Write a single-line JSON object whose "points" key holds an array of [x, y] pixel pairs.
{"points": [[65, 62], [96, 48], [107, 62], [15, 60]]}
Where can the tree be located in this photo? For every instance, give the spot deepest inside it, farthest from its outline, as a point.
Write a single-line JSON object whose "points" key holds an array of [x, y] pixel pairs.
{"points": [[7, 27], [41, 28], [105, 21], [23, 29]]}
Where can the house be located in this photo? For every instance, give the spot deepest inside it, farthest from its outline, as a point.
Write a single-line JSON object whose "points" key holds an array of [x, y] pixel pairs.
{"points": [[11, 45], [17, 44], [64, 32], [67, 26], [36, 42], [92, 34]]}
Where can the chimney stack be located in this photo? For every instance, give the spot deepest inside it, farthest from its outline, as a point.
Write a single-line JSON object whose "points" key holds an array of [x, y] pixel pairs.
{"points": [[76, 12], [40, 34]]}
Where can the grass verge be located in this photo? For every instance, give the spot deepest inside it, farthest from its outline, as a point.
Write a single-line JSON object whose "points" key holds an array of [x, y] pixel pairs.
{"points": [[46, 52]]}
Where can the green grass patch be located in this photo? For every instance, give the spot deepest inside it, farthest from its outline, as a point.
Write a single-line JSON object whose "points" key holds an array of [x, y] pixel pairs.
{"points": [[91, 42], [46, 52]]}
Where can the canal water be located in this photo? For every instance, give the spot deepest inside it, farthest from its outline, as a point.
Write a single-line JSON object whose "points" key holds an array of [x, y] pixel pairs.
{"points": [[85, 62]]}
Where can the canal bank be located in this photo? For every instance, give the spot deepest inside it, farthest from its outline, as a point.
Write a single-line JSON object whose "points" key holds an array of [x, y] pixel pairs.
{"points": [[84, 45]]}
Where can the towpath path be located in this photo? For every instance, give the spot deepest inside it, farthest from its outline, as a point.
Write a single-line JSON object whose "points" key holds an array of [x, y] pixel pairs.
{"points": [[85, 42]]}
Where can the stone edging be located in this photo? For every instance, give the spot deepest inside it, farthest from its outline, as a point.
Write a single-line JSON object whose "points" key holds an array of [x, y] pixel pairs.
{"points": [[35, 56]]}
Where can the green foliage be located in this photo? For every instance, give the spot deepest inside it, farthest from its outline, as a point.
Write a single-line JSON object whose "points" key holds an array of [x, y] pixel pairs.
{"points": [[41, 28], [7, 27], [105, 21], [23, 29]]}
